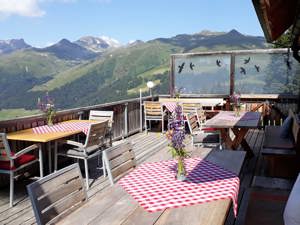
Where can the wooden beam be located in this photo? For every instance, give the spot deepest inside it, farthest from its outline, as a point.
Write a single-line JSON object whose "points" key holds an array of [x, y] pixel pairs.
{"points": [[232, 73]]}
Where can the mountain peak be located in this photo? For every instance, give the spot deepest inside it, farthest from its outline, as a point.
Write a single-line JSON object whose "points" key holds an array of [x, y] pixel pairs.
{"points": [[7, 46], [234, 32], [64, 41], [209, 33], [97, 44], [68, 50]]}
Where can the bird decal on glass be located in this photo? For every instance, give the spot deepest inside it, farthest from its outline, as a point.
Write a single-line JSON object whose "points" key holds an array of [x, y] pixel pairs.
{"points": [[246, 61], [257, 68], [243, 70], [288, 64], [181, 67], [218, 62], [192, 66]]}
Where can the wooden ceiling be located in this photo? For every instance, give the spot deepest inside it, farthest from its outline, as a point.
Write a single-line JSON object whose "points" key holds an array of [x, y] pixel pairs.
{"points": [[275, 16]]}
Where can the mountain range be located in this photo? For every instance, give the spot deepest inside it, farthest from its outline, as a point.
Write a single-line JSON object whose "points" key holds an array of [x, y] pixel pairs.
{"points": [[94, 70]]}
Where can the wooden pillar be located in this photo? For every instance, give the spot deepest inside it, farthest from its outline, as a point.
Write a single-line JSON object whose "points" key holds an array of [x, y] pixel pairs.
{"points": [[141, 112], [126, 119], [232, 73]]}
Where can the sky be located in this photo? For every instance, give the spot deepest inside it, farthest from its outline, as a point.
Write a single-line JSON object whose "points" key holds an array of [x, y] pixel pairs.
{"points": [[44, 22]]}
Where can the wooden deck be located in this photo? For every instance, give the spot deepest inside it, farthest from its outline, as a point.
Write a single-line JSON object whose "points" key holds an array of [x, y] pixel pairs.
{"points": [[145, 145]]}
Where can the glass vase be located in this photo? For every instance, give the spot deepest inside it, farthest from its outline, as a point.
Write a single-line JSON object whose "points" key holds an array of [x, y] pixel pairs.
{"points": [[237, 110], [50, 119], [181, 173]]}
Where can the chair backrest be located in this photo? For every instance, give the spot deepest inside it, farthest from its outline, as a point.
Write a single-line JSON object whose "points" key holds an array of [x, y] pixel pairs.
{"points": [[190, 107], [295, 129], [102, 116], [118, 160], [201, 117], [152, 108], [192, 122], [96, 134], [5, 152], [57, 195]]}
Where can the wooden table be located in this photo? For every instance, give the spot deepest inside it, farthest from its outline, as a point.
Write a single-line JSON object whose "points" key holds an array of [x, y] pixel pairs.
{"points": [[114, 206], [29, 135], [226, 121]]}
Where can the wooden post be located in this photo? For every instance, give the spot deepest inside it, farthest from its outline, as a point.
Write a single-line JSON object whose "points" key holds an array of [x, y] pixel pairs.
{"points": [[141, 112], [126, 119], [232, 73]]}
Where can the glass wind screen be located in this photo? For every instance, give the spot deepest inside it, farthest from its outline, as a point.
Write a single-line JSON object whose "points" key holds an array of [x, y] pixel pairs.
{"points": [[264, 73], [202, 74]]}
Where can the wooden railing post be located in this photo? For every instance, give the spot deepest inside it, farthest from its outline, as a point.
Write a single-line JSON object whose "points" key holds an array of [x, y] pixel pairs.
{"points": [[126, 119], [141, 112]]}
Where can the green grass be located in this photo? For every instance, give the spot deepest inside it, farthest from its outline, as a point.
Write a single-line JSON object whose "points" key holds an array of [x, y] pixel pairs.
{"points": [[7, 114]]}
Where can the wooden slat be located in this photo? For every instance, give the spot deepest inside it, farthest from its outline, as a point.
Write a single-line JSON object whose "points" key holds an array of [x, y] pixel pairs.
{"points": [[65, 206], [53, 184], [119, 160], [123, 168], [117, 150], [60, 193]]}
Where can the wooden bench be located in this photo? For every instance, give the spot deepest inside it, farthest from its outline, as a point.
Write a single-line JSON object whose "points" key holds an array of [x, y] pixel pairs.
{"points": [[282, 154], [57, 195], [274, 144]]}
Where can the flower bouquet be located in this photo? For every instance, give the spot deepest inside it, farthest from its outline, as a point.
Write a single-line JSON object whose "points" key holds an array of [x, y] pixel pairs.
{"points": [[236, 100], [47, 106], [176, 134]]}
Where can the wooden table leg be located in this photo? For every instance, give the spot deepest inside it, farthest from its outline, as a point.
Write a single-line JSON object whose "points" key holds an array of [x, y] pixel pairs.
{"points": [[240, 140], [226, 138]]}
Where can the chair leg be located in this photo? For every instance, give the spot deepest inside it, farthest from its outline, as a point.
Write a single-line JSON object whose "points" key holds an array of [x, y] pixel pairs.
{"points": [[103, 166], [41, 161], [162, 125], [55, 156], [86, 168], [11, 187], [146, 129]]}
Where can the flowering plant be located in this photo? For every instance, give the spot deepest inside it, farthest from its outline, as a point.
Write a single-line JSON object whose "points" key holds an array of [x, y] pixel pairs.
{"points": [[176, 134], [47, 106], [236, 100]]}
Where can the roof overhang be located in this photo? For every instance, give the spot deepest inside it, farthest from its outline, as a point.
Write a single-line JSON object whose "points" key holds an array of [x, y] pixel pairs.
{"points": [[275, 16]]}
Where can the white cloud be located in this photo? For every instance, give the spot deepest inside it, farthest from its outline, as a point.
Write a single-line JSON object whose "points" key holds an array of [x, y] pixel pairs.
{"points": [[28, 8]]}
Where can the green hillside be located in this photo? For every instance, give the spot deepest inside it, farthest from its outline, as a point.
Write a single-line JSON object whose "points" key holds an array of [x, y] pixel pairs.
{"points": [[31, 62], [116, 74]]}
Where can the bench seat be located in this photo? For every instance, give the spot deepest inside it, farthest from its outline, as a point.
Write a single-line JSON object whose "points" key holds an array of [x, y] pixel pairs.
{"points": [[273, 139]]}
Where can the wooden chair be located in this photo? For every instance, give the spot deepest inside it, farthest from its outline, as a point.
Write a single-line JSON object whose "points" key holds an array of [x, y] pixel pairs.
{"points": [[201, 137], [102, 116], [57, 195], [91, 148], [188, 108], [154, 111], [11, 162], [118, 159]]}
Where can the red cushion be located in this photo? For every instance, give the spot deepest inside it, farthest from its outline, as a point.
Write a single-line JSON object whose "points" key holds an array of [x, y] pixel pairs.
{"points": [[209, 129], [21, 160]]}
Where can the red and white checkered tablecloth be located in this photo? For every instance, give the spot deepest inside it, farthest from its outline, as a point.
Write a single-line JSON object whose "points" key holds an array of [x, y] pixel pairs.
{"points": [[170, 106], [155, 187], [63, 127]]}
